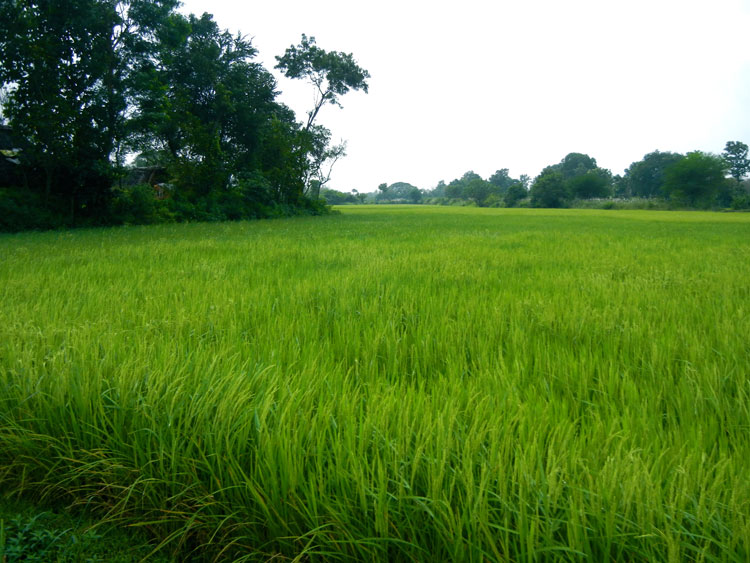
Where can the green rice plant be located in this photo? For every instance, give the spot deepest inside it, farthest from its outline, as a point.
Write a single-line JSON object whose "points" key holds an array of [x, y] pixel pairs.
{"points": [[390, 383]]}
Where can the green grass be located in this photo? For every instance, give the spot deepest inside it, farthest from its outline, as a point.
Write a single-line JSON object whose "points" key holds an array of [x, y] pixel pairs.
{"points": [[399, 383]]}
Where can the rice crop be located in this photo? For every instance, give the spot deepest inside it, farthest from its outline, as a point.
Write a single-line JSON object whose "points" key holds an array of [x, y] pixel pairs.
{"points": [[390, 383]]}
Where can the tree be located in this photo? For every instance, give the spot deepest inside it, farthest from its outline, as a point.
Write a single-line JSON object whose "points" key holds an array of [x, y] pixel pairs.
{"points": [[514, 194], [68, 65], [209, 109], [399, 191], [646, 177], [502, 180], [415, 195], [576, 164], [439, 190], [696, 179], [454, 190], [322, 156], [735, 154], [86, 81], [332, 73], [477, 190], [335, 197], [56, 56], [549, 190], [582, 177], [591, 184]]}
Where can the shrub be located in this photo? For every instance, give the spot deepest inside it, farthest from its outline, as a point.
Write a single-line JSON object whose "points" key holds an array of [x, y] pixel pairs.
{"points": [[21, 209], [136, 205]]}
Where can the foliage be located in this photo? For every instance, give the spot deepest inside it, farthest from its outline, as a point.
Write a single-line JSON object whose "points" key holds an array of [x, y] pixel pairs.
{"points": [[137, 205], [516, 192], [631, 203], [550, 190], [582, 179], [502, 180], [576, 164], [472, 188], [334, 197], [645, 178], [398, 192], [21, 209], [741, 200], [60, 58], [86, 82], [209, 110], [28, 533], [593, 183], [394, 383], [332, 73], [696, 180], [735, 154]]}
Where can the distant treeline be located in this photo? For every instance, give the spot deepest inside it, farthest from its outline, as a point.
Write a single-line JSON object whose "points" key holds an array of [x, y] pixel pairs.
{"points": [[659, 180], [126, 111]]}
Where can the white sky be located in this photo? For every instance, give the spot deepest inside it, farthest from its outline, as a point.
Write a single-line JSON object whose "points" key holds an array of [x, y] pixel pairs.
{"points": [[481, 85]]}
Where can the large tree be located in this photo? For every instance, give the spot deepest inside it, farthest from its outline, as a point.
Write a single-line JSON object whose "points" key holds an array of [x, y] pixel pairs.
{"points": [[582, 177], [645, 178], [549, 189], [696, 179], [501, 180], [735, 154], [576, 164], [332, 74], [66, 63], [594, 183], [208, 109], [514, 194]]}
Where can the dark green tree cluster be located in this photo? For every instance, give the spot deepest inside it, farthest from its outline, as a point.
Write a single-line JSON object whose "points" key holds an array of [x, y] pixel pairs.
{"points": [[499, 190], [398, 192], [576, 176], [697, 179], [88, 82], [335, 197]]}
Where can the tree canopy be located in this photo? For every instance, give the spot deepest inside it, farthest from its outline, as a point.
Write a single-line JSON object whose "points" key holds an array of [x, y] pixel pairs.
{"points": [[645, 178], [549, 190], [88, 82], [735, 154], [333, 73], [575, 176], [696, 179]]}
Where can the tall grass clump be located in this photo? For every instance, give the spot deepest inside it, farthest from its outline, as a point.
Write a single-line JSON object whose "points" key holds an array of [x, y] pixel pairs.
{"points": [[391, 383]]}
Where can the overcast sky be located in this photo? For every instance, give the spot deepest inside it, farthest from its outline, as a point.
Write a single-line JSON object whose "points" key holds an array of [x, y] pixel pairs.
{"points": [[479, 85]]}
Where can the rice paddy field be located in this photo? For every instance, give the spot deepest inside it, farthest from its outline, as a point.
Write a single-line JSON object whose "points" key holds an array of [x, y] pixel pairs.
{"points": [[389, 384]]}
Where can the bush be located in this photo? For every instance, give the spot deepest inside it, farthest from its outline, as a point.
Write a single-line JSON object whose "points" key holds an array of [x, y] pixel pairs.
{"points": [[21, 209], [137, 205], [549, 190], [493, 200]]}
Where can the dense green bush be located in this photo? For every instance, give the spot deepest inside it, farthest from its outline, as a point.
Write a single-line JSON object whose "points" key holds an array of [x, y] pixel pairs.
{"points": [[21, 209], [137, 205]]}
